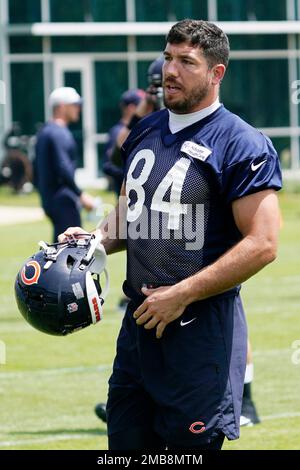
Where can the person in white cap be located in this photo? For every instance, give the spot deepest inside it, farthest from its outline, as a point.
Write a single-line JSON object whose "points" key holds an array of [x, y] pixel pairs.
{"points": [[55, 163]]}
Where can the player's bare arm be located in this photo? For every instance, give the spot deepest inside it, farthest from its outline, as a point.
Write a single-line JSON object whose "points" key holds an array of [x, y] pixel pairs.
{"points": [[257, 217], [112, 223]]}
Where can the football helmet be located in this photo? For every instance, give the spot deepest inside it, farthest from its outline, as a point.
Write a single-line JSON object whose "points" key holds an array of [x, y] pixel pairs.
{"points": [[155, 81], [58, 288], [155, 72]]}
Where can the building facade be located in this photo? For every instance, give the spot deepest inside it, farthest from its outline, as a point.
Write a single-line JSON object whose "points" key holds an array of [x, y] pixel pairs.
{"points": [[103, 47]]}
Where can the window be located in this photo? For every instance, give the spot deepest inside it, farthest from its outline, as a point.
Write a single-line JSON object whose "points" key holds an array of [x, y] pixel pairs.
{"points": [[88, 10], [258, 41], [107, 10], [24, 11], [258, 91], [150, 43], [27, 97], [25, 44], [67, 10], [243, 10], [156, 10], [88, 44], [111, 80]]}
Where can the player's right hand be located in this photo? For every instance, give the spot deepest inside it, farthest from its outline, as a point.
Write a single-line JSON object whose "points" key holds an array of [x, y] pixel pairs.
{"points": [[71, 233]]}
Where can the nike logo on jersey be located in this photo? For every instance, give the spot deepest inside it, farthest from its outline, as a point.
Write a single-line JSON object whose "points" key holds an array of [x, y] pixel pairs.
{"points": [[195, 150], [255, 167], [184, 323]]}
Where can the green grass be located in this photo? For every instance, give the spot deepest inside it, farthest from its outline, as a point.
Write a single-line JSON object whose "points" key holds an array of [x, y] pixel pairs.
{"points": [[49, 385]]}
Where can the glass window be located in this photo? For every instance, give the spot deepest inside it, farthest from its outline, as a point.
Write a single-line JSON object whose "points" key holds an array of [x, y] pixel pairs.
{"points": [[258, 41], [111, 80], [88, 10], [150, 43], [21, 44], [67, 10], [107, 10], [243, 10], [156, 10], [258, 91], [88, 44], [24, 11], [28, 96]]}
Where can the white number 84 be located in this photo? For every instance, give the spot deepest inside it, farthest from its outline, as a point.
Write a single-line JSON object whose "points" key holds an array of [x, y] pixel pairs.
{"points": [[174, 179]]}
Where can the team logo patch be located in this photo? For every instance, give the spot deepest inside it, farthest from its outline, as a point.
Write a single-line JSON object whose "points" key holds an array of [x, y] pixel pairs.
{"points": [[73, 307], [195, 150], [34, 277], [197, 427]]}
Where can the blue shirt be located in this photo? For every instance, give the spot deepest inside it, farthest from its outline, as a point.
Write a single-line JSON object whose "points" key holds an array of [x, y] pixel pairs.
{"points": [[55, 163], [110, 167]]}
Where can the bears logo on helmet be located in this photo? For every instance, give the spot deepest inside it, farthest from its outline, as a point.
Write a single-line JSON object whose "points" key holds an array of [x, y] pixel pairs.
{"points": [[36, 274], [58, 289]]}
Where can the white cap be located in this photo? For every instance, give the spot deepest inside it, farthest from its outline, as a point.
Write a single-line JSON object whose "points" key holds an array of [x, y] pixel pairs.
{"points": [[64, 95]]}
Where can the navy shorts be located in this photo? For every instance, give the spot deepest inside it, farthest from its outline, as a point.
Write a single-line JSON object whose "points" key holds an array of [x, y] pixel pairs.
{"points": [[187, 386]]}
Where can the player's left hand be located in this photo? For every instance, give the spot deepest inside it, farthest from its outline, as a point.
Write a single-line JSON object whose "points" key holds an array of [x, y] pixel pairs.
{"points": [[162, 306]]}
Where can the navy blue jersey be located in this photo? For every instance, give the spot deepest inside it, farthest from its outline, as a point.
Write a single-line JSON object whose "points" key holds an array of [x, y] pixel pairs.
{"points": [[55, 162], [180, 188]]}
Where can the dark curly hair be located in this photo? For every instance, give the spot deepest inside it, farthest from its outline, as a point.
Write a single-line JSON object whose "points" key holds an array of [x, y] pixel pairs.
{"points": [[205, 35]]}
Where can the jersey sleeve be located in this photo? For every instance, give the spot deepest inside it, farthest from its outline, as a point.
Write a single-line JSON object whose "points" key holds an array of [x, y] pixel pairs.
{"points": [[250, 167]]}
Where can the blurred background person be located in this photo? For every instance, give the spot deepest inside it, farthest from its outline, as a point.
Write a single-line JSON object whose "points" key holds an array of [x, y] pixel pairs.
{"points": [[55, 163], [113, 167]]}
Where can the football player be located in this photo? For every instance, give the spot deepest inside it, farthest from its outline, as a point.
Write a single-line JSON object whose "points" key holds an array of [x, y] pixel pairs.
{"points": [[200, 217]]}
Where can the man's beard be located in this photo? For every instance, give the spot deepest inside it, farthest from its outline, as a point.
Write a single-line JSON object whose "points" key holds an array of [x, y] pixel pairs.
{"points": [[195, 96]]}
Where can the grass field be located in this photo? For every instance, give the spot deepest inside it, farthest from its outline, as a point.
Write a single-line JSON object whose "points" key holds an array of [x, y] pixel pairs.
{"points": [[49, 385]]}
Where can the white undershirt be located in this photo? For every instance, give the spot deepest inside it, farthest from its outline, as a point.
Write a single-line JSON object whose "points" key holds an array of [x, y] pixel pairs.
{"points": [[180, 121]]}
